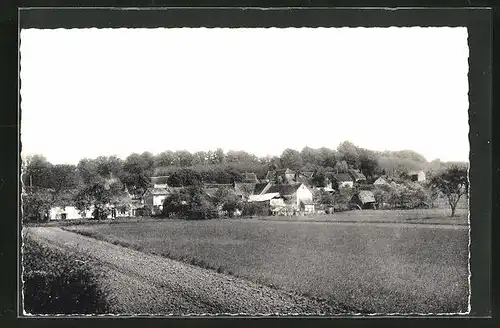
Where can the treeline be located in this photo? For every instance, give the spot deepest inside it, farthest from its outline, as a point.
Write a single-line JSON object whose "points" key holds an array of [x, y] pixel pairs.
{"points": [[185, 168]]}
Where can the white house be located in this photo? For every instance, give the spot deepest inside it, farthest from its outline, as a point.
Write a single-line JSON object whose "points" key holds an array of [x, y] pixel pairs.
{"points": [[293, 194], [68, 213]]}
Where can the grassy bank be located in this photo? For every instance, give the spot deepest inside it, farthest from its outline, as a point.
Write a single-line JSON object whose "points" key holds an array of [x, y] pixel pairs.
{"points": [[365, 268], [56, 282]]}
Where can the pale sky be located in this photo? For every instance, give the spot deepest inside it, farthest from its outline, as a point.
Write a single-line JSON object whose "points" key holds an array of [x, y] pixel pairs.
{"points": [[92, 92]]}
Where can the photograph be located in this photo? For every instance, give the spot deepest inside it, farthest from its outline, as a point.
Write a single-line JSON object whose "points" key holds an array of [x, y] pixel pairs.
{"points": [[245, 171]]}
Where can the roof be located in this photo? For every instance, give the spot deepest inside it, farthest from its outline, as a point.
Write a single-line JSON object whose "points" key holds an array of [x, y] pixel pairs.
{"points": [[263, 198], [380, 180], [210, 191], [357, 175], [250, 177], [160, 179], [284, 189], [342, 177], [158, 191], [307, 174], [260, 187], [366, 196], [241, 188]]}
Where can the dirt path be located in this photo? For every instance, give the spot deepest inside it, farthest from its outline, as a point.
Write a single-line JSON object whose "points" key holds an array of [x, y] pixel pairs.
{"points": [[141, 283]]}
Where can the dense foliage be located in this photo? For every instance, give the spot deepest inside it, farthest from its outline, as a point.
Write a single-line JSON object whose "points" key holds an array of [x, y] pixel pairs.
{"points": [[104, 180]]}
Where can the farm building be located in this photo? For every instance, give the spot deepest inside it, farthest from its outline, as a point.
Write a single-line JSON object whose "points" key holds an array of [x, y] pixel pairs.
{"points": [[293, 194], [159, 182], [417, 176], [154, 197], [356, 175], [67, 213], [343, 180], [364, 199], [380, 182]]}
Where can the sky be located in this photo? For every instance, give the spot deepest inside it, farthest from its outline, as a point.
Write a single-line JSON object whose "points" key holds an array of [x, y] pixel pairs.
{"points": [[93, 92]]}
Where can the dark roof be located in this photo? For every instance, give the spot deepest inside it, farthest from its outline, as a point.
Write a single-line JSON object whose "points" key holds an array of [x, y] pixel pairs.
{"points": [[342, 177], [159, 180], [284, 189], [259, 187]]}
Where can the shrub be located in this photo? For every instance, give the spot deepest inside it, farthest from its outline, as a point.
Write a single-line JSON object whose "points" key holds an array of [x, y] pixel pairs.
{"points": [[190, 203], [256, 208], [58, 283]]}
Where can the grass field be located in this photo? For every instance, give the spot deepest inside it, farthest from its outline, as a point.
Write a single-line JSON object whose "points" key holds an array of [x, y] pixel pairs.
{"points": [[364, 267]]}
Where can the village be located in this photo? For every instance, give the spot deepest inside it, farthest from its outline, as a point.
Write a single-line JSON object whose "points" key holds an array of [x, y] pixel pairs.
{"points": [[282, 192]]}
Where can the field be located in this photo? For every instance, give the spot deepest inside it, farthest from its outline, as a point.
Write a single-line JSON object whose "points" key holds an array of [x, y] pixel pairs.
{"points": [[361, 267]]}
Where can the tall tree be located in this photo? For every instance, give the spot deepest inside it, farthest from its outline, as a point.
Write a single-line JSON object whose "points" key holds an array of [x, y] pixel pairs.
{"points": [[37, 172], [291, 158], [453, 184]]}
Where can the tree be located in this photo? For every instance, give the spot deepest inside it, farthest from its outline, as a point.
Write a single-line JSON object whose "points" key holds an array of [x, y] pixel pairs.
{"points": [[135, 174], [36, 205], [453, 184], [291, 158], [64, 177], [37, 171], [341, 167], [350, 153], [183, 158]]}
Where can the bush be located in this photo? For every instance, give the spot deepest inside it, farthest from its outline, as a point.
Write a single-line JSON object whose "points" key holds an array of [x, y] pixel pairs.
{"points": [[100, 212], [256, 208], [58, 283], [190, 203]]}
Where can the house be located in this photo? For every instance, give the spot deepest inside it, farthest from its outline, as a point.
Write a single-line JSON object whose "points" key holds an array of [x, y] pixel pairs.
{"points": [[250, 177], [68, 213], [293, 194], [343, 180], [154, 197], [160, 181], [356, 175], [417, 176], [380, 182], [364, 199]]}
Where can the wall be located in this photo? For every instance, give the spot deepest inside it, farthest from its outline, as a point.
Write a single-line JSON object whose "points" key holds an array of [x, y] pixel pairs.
{"points": [[304, 195]]}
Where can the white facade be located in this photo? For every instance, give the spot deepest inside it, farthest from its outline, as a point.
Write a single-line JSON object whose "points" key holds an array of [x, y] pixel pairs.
{"points": [[67, 213], [304, 194]]}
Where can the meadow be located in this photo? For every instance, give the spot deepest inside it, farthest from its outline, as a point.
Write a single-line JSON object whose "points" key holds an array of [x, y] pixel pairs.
{"points": [[362, 267]]}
